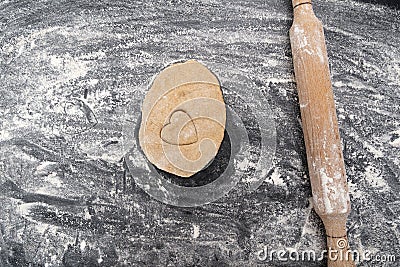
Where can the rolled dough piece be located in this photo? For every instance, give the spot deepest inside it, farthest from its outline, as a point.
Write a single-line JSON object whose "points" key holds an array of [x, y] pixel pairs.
{"points": [[183, 119]]}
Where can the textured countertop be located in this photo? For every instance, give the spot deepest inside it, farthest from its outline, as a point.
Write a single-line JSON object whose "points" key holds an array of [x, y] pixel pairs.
{"points": [[69, 69]]}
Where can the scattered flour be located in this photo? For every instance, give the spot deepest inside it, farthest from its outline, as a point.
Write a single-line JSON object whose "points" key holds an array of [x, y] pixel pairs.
{"points": [[45, 167], [396, 142], [5, 135], [243, 165], [54, 180], [375, 180], [354, 191], [377, 153], [196, 231], [82, 245], [277, 178]]}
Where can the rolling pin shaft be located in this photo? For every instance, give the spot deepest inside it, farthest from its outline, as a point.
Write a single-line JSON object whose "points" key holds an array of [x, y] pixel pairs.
{"points": [[321, 133]]}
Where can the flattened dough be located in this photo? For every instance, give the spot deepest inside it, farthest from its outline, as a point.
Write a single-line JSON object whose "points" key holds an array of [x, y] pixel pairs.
{"points": [[183, 119]]}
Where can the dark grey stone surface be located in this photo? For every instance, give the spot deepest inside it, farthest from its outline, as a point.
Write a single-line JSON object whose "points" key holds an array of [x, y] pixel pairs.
{"points": [[68, 69]]}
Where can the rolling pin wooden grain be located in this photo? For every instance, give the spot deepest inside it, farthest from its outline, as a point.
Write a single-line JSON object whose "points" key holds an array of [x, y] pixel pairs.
{"points": [[324, 153]]}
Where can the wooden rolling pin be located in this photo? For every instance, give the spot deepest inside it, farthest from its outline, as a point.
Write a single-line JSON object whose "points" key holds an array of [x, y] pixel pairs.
{"points": [[324, 153]]}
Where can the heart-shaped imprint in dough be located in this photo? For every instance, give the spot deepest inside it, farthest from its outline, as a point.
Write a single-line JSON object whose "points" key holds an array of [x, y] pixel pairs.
{"points": [[180, 129]]}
